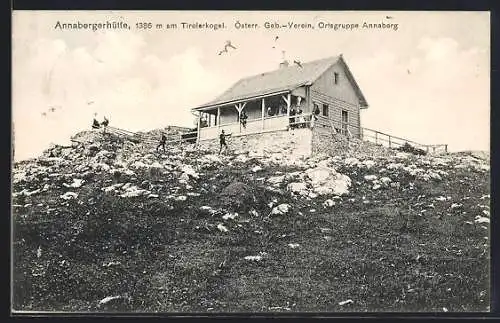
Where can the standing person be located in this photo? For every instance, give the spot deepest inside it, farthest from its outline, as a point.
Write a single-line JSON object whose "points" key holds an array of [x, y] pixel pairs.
{"points": [[222, 139], [162, 143], [270, 111], [243, 119], [316, 112], [95, 124], [292, 118], [105, 123], [301, 119], [283, 109]]}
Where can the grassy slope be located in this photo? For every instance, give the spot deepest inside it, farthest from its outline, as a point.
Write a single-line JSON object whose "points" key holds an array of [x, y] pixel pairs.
{"points": [[378, 251]]}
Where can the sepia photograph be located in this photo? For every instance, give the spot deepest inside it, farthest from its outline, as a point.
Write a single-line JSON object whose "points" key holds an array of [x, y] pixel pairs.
{"points": [[208, 162]]}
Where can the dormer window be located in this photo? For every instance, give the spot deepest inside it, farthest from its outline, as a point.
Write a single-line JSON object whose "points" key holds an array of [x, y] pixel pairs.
{"points": [[336, 78]]}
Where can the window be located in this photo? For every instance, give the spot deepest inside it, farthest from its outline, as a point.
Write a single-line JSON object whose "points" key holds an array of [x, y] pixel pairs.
{"points": [[325, 110], [336, 78], [345, 121]]}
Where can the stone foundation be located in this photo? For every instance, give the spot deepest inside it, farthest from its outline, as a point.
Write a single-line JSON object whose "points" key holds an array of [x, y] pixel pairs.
{"points": [[296, 143], [325, 142]]}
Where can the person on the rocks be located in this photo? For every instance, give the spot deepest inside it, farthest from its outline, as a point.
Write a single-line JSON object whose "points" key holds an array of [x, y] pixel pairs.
{"points": [[105, 123], [222, 139], [95, 124], [162, 143]]}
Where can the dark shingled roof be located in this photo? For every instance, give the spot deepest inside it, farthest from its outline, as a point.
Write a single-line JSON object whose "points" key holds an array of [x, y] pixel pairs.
{"points": [[283, 79]]}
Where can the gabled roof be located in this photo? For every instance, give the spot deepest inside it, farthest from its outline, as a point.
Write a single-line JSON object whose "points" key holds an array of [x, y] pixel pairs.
{"points": [[283, 79]]}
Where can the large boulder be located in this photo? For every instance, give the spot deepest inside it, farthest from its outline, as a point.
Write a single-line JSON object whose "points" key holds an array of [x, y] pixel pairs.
{"points": [[327, 181], [237, 195]]}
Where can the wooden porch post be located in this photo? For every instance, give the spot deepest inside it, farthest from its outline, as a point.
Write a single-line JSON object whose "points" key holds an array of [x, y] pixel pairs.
{"points": [[218, 117], [288, 104], [288, 101], [308, 98], [263, 112], [237, 106], [199, 129]]}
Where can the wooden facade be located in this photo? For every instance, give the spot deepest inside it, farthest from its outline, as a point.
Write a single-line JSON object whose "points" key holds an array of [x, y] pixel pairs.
{"points": [[270, 97]]}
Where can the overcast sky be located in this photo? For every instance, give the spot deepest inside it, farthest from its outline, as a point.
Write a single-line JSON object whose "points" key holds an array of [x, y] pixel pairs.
{"points": [[144, 79]]}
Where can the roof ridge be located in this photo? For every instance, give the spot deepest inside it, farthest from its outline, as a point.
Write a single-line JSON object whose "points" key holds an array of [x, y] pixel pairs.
{"points": [[281, 78], [291, 66]]}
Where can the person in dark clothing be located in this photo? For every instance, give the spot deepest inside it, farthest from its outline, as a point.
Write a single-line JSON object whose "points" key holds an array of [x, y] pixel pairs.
{"points": [[222, 139], [283, 109], [105, 123], [300, 119], [243, 119], [292, 118], [95, 124], [162, 143], [316, 112]]}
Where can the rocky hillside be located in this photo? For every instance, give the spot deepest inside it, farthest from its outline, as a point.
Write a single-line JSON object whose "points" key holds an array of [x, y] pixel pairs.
{"points": [[111, 225]]}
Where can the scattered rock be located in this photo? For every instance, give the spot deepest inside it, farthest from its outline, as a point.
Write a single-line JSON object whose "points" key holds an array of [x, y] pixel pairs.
{"points": [[368, 163], [385, 180], [111, 263], [275, 180], [76, 183], [231, 216], [253, 258], [222, 228], [346, 302], [298, 188], [256, 169], [481, 219], [280, 209], [69, 196], [189, 170], [351, 161], [108, 299], [328, 203]]}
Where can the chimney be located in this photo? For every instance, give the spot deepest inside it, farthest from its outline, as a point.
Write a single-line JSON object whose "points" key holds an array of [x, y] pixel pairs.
{"points": [[284, 64]]}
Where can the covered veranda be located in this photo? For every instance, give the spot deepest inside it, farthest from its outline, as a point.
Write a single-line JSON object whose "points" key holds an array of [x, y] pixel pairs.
{"points": [[271, 112]]}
